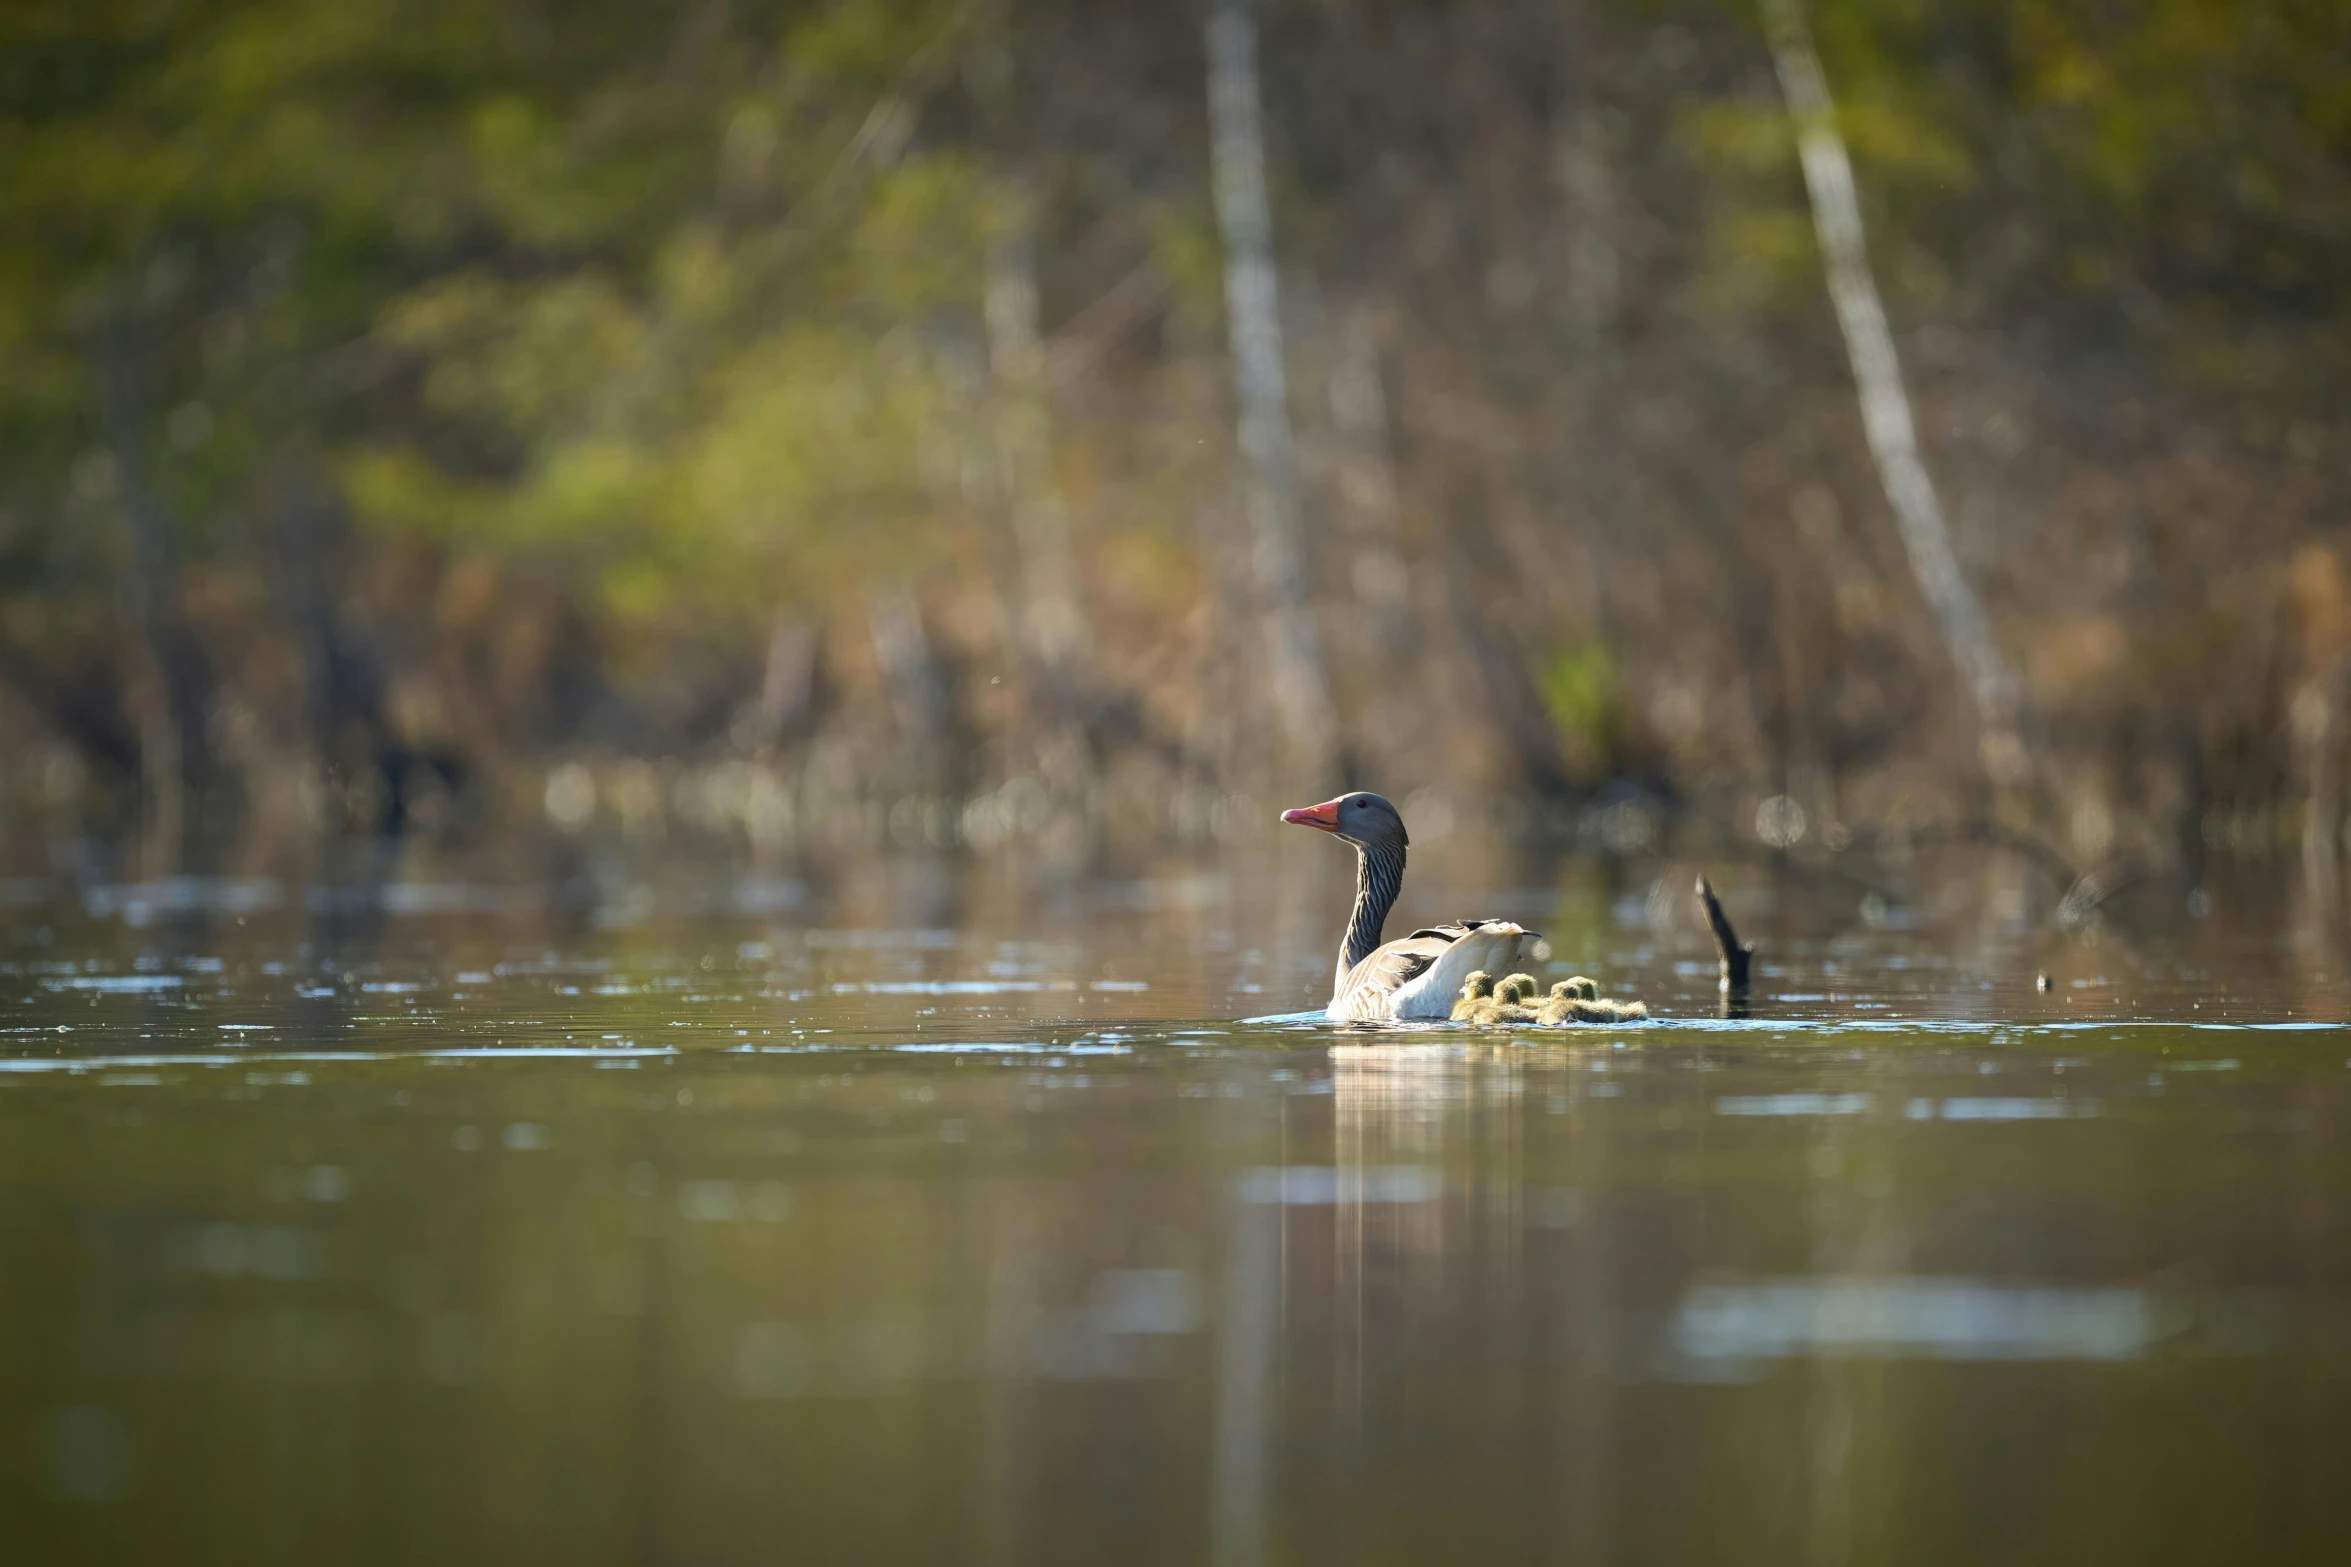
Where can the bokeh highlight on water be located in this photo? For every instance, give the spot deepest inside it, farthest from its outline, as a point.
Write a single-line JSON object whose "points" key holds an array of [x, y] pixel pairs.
{"points": [[949, 1216]]}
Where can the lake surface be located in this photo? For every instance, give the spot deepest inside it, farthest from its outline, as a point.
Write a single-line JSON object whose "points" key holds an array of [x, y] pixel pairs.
{"points": [[643, 1213]]}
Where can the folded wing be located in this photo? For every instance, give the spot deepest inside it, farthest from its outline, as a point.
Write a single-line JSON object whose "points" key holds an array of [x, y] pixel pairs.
{"points": [[1418, 976]]}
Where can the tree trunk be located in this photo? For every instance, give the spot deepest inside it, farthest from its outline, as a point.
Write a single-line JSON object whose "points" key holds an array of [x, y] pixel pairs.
{"points": [[1594, 270], [1052, 632], [2314, 720], [1253, 318], [177, 755], [1885, 406], [1367, 483], [787, 685], [918, 692], [347, 721], [80, 698]]}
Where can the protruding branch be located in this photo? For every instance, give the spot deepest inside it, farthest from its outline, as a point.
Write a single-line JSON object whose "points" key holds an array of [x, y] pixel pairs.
{"points": [[1735, 953]]}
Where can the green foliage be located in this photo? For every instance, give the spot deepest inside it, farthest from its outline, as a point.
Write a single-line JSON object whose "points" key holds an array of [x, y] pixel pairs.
{"points": [[2173, 148], [640, 288], [686, 302], [1584, 696], [1185, 242]]}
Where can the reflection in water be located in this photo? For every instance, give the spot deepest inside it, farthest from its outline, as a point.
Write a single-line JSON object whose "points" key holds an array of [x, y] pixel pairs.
{"points": [[471, 1234], [1943, 1319], [1248, 1337]]}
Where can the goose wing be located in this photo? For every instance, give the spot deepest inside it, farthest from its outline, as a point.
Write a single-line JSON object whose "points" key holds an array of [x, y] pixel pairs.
{"points": [[1460, 928], [1417, 976]]}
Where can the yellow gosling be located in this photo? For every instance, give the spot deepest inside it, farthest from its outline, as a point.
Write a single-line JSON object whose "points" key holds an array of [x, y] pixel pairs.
{"points": [[1476, 991], [1518, 999], [1578, 1000], [1508, 1004]]}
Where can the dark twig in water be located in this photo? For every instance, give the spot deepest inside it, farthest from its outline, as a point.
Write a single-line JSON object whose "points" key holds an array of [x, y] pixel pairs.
{"points": [[1735, 953]]}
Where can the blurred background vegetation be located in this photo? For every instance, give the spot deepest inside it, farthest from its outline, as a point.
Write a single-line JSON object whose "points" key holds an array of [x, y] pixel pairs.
{"points": [[806, 426]]}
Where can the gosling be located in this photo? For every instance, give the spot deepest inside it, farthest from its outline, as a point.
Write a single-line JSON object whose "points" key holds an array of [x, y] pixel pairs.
{"points": [[1486, 1003], [1476, 991], [1514, 999], [1578, 1000]]}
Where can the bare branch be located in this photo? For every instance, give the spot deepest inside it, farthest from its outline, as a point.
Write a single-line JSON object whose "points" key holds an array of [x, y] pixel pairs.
{"points": [[1735, 954]]}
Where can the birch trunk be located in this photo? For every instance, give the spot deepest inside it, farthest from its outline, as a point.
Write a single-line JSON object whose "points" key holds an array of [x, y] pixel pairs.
{"points": [[1054, 635], [1253, 313], [1885, 406]]}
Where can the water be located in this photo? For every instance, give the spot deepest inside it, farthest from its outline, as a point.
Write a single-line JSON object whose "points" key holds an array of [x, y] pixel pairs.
{"points": [[936, 1215]]}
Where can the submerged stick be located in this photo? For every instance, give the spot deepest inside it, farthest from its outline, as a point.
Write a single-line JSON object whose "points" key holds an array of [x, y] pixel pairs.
{"points": [[1735, 953]]}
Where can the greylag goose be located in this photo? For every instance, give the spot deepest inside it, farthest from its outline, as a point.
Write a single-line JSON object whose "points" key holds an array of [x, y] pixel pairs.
{"points": [[1419, 976]]}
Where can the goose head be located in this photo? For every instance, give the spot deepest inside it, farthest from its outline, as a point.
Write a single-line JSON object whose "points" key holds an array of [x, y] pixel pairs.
{"points": [[1363, 819]]}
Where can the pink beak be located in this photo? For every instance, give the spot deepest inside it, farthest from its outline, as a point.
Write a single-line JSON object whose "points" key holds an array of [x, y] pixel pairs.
{"points": [[1324, 816]]}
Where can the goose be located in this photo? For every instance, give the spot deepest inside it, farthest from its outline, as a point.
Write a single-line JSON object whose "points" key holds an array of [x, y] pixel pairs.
{"points": [[1421, 975]]}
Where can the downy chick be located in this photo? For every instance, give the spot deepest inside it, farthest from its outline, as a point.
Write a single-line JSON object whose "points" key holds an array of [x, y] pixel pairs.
{"points": [[1512, 1001], [1578, 1000], [1486, 1003], [1476, 991]]}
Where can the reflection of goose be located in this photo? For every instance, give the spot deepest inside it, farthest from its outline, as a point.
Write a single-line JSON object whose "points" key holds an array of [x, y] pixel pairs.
{"points": [[1418, 976]]}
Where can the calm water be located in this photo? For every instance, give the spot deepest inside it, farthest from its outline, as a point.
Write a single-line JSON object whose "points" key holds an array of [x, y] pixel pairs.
{"points": [[940, 1215]]}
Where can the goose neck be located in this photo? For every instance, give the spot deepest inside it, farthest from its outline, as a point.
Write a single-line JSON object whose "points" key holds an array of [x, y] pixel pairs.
{"points": [[1379, 876]]}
